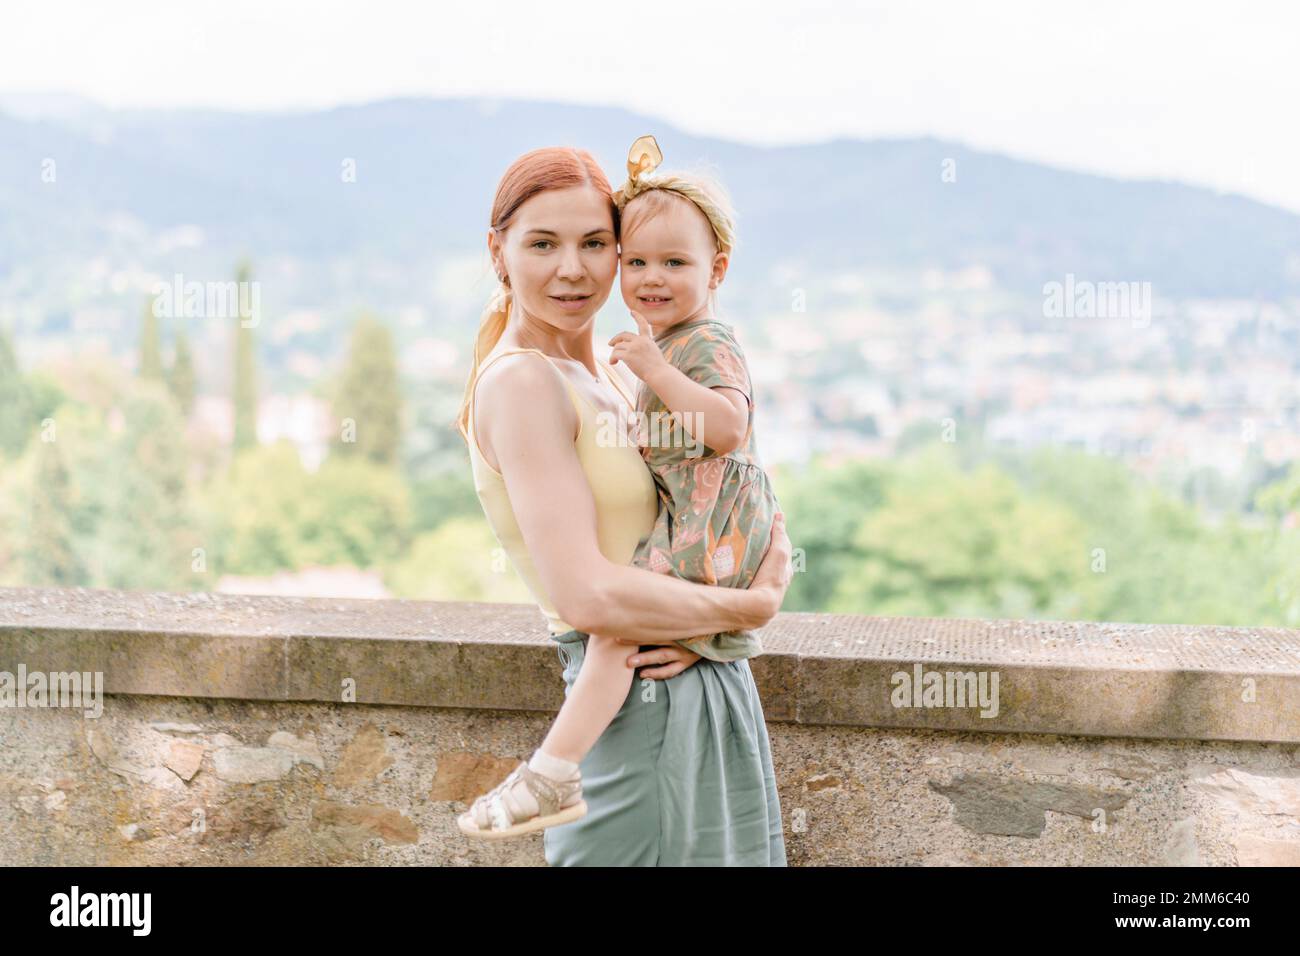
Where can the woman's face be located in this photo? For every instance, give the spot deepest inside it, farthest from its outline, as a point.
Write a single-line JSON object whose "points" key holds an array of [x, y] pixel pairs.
{"points": [[560, 255]]}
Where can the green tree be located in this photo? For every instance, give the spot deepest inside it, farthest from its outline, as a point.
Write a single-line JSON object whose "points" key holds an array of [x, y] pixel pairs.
{"points": [[824, 506], [357, 513], [1156, 558], [245, 392], [181, 379], [442, 496], [460, 561], [15, 492], [1281, 501], [45, 395], [151, 364], [431, 445], [252, 513], [954, 543], [368, 403], [50, 557], [16, 420], [146, 526], [1282, 497], [269, 514]]}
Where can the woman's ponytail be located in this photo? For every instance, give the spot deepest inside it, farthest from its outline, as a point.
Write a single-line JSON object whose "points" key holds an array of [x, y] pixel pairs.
{"points": [[491, 327]]}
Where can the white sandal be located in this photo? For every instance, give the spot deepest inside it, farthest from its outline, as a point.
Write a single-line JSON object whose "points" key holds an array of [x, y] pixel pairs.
{"points": [[498, 815]]}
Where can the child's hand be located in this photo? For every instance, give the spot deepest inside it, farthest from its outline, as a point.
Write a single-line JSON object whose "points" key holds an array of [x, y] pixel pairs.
{"points": [[638, 350]]}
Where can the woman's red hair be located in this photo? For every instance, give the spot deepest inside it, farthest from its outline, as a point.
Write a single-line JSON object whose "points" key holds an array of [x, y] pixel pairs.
{"points": [[551, 167]]}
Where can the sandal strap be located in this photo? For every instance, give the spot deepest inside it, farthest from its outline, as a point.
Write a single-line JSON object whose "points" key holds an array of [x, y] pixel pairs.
{"points": [[548, 793], [482, 807], [543, 789]]}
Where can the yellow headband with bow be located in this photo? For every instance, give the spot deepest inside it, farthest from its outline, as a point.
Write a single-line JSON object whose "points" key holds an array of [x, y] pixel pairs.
{"points": [[644, 157]]}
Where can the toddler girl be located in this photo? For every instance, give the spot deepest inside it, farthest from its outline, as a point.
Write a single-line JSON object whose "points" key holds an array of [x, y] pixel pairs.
{"points": [[695, 418], [695, 399]]}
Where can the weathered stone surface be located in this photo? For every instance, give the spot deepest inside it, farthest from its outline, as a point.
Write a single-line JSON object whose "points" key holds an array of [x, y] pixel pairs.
{"points": [[101, 745], [133, 832], [1254, 795], [1078, 678], [159, 777], [1131, 767], [304, 749], [822, 781], [1260, 851], [883, 812], [986, 803], [364, 759], [243, 820], [104, 749], [1182, 849], [389, 825], [261, 764], [183, 758], [1050, 765], [456, 691], [252, 764], [341, 844], [464, 776], [167, 727]]}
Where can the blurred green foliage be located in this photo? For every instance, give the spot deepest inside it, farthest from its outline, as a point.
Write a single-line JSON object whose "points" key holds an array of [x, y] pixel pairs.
{"points": [[103, 484]]}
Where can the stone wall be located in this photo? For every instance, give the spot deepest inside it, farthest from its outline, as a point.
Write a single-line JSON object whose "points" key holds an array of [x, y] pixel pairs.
{"points": [[261, 730]]}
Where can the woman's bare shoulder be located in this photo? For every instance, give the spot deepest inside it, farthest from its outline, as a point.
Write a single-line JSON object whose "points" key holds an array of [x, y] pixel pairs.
{"points": [[522, 389], [514, 372]]}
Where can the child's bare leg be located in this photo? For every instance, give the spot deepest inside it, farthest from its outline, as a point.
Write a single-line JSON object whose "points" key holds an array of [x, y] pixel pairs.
{"points": [[594, 700], [514, 806]]}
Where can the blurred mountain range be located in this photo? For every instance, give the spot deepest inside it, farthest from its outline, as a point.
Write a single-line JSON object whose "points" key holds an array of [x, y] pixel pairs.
{"points": [[164, 191]]}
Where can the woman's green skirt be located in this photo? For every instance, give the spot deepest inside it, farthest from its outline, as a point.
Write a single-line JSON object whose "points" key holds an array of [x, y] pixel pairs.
{"points": [[681, 777]]}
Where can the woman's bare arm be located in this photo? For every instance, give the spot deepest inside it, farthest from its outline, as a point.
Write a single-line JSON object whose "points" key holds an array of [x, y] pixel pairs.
{"points": [[529, 424], [773, 578]]}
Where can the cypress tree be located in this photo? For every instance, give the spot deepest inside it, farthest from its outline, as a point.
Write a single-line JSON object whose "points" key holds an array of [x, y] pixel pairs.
{"points": [[245, 398], [181, 382], [16, 424], [369, 395], [151, 365]]}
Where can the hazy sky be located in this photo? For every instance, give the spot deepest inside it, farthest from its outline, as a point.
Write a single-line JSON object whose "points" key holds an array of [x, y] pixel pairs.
{"points": [[1205, 93]]}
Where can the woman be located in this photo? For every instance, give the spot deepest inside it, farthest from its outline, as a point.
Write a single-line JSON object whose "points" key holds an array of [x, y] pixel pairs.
{"points": [[683, 775]]}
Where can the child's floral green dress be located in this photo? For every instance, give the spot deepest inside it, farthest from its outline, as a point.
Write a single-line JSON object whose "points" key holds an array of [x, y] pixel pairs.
{"points": [[715, 511]]}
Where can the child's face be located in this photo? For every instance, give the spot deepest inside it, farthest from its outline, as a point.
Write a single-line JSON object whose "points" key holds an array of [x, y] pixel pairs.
{"points": [[668, 264]]}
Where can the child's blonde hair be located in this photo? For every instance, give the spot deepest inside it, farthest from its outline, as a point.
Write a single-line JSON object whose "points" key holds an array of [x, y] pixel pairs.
{"points": [[705, 191]]}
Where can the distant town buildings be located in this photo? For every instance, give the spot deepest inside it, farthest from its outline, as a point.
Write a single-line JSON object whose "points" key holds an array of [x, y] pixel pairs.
{"points": [[303, 420]]}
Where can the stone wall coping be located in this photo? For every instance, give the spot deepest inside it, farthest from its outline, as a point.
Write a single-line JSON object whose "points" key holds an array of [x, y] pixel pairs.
{"points": [[1059, 677]]}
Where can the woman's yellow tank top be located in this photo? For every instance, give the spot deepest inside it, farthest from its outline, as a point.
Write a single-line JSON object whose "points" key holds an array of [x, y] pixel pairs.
{"points": [[621, 484]]}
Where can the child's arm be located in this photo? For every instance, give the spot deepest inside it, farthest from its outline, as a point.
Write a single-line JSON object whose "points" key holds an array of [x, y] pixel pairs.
{"points": [[715, 415]]}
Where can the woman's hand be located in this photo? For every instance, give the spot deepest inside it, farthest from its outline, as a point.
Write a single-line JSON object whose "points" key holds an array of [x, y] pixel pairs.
{"points": [[673, 657], [775, 572]]}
